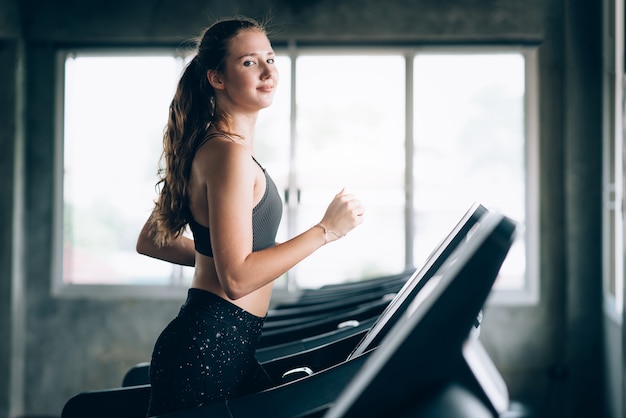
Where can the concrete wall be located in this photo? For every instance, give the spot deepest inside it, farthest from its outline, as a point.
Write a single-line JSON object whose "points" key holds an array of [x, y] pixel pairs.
{"points": [[69, 345], [12, 315]]}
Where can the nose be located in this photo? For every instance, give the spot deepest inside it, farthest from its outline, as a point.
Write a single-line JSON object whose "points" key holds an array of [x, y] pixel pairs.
{"points": [[266, 74], [268, 71]]}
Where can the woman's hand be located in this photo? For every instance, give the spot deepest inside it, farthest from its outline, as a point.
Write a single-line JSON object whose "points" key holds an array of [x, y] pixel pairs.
{"points": [[343, 214]]}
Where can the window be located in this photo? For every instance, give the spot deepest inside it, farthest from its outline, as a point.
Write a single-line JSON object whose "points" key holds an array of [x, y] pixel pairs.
{"points": [[469, 145], [417, 135], [351, 133], [115, 111]]}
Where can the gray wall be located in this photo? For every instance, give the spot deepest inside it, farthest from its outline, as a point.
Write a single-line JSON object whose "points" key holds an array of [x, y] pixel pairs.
{"points": [[551, 355], [12, 329]]}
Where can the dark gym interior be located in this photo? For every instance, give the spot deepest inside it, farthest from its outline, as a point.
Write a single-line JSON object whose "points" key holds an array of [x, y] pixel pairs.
{"points": [[560, 355]]}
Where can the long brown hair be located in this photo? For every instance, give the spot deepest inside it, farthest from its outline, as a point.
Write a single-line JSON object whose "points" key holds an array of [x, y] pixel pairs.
{"points": [[191, 113]]}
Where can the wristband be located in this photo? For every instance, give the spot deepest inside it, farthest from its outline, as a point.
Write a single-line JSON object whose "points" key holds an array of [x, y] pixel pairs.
{"points": [[327, 231]]}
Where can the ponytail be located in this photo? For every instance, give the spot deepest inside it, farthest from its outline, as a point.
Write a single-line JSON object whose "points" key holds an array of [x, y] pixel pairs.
{"points": [[190, 113]]}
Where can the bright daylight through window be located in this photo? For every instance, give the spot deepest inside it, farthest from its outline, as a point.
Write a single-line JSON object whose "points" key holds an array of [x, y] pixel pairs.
{"points": [[115, 111], [467, 113]]}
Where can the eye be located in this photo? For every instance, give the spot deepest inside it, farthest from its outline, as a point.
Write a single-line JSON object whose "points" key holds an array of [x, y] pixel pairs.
{"points": [[248, 63], [270, 61]]}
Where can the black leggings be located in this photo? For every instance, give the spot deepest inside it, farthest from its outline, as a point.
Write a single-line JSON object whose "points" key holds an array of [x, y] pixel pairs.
{"points": [[205, 354]]}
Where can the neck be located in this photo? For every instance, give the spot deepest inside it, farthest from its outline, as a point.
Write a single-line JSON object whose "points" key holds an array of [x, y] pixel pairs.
{"points": [[243, 125]]}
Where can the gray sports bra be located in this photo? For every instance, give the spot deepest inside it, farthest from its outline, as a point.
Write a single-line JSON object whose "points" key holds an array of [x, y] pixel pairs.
{"points": [[266, 217]]}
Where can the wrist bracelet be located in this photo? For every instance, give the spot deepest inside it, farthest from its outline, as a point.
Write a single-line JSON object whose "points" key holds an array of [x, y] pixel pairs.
{"points": [[327, 231]]}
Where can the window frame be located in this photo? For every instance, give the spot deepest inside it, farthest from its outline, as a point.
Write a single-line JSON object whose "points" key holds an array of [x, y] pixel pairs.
{"points": [[614, 164], [173, 290], [528, 295]]}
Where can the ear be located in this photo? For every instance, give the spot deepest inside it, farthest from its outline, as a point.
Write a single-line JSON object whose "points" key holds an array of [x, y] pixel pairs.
{"points": [[215, 79]]}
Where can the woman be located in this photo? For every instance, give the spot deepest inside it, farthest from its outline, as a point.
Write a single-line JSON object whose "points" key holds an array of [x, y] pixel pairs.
{"points": [[213, 183]]}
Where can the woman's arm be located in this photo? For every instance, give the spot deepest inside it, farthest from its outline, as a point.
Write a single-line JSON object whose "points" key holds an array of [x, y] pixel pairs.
{"points": [[230, 203], [181, 251]]}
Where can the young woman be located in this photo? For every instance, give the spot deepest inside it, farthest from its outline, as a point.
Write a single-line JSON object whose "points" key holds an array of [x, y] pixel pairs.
{"points": [[213, 183]]}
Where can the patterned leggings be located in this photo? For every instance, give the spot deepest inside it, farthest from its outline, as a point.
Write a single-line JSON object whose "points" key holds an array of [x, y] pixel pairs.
{"points": [[205, 354]]}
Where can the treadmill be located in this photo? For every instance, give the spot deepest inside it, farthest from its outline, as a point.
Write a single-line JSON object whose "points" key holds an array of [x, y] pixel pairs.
{"points": [[318, 391]]}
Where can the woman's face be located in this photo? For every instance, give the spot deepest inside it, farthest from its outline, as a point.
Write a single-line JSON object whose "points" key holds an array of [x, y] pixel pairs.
{"points": [[250, 76]]}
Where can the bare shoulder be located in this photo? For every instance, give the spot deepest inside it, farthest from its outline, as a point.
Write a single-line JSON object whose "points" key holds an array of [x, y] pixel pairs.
{"points": [[221, 157], [218, 152]]}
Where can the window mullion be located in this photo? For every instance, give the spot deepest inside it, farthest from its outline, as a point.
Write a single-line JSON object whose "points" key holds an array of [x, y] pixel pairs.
{"points": [[292, 193], [409, 186]]}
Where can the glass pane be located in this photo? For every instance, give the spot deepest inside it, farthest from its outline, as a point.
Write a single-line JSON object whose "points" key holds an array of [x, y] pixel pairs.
{"points": [[115, 111], [469, 146], [350, 132]]}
